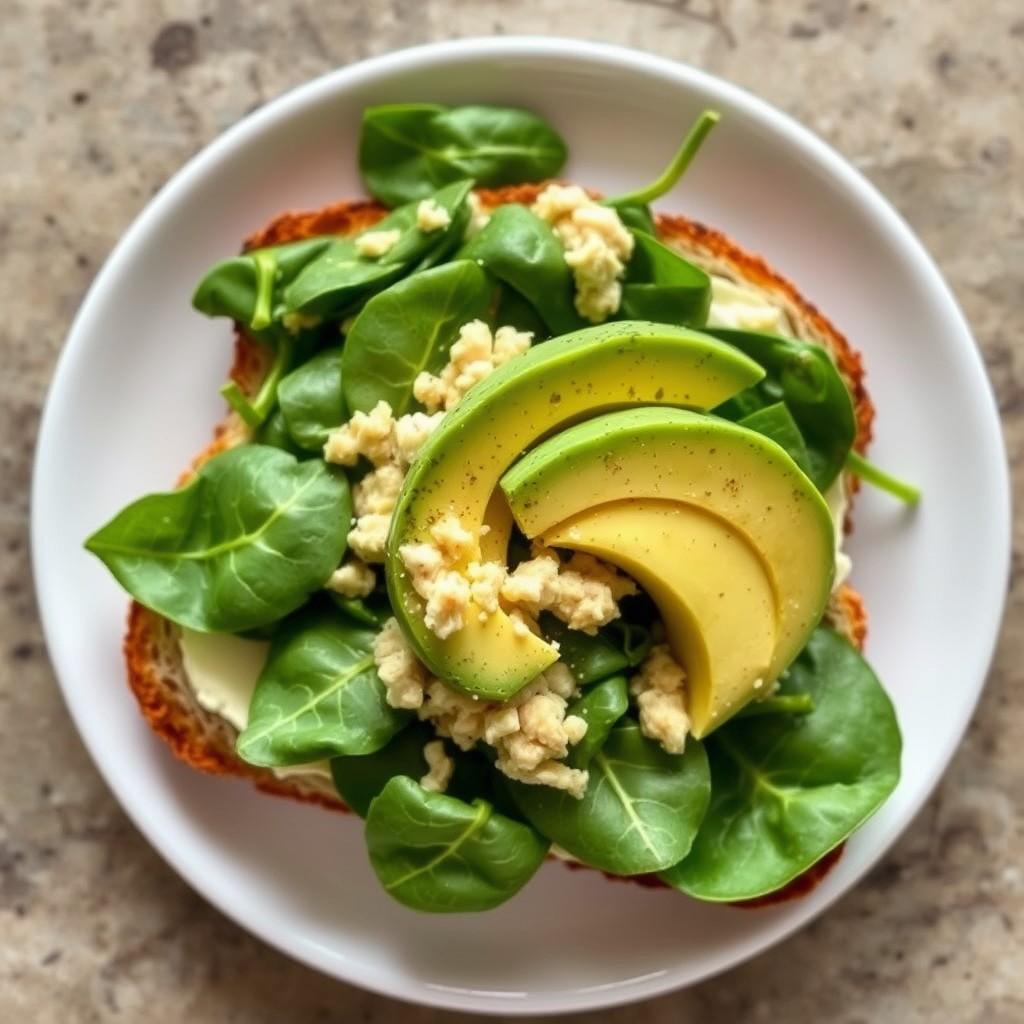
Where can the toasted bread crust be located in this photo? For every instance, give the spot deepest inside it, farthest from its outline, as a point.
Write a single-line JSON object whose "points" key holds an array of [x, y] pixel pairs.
{"points": [[155, 672]]}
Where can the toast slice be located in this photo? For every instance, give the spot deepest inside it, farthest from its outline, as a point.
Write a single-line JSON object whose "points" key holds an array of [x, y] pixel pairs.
{"points": [[156, 673]]}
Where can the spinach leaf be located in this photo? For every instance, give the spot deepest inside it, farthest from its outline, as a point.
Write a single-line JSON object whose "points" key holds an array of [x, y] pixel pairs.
{"points": [[635, 641], [406, 150], [371, 611], [660, 285], [318, 694], [600, 707], [590, 658], [436, 853], [776, 422], [786, 789], [513, 310], [637, 218], [641, 809], [248, 288], [244, 543], [360, 778], [804, 377], [311, 400], [521, 250], [274, 434], [409, 328], [339, 276]]}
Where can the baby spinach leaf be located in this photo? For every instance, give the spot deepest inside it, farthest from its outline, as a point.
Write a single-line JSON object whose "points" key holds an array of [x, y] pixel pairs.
{"points": [[248, 288], [339, 276], [318, 694], [512, 310], [371, 611], [436, 853], [635, 641], [641, 809], [786, 789], [409, 328], [521, 250], [804, 377], [600, 707], [274, 433], [359, 779], [590, 658], [311, 400], [637, 217], [244, 543], [660, 285], [776, 421], [406, 150]]}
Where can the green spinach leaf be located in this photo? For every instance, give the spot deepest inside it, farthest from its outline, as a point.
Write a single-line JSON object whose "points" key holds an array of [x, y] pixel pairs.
{"points": [[634, 640], [407, 150], [660, 285], [600, 707], [311, 400], [436, 853], [641, 809], [786, 789], [804, 377], [637, 218], [776, 422], [614, 648], [521, 250], [339, 276], [409, 328], [244, 543], [590, 658], [513, 310], [359, 779], [318, 694], [371, 611], [248, 288], [274, 433]]}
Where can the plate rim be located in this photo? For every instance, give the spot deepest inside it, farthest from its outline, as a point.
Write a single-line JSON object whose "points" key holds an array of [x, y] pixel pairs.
{"points": [[281, 108]]}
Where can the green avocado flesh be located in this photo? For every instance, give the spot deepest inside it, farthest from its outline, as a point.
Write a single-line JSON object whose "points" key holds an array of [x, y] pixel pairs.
{"points": [[562, 381], [694, 459]]}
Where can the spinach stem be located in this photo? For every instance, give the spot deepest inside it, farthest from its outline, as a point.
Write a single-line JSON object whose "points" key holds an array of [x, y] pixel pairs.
{"points": [[256, 410], [676, 167], [867, 471], [789, 704], [265, 263]]}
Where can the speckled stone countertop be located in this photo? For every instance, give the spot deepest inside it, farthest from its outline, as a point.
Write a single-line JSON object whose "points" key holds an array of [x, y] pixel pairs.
{"points": [[104, 99]]}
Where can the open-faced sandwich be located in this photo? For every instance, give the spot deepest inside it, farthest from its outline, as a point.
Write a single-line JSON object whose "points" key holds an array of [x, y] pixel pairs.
{"points": [[523, 535]]}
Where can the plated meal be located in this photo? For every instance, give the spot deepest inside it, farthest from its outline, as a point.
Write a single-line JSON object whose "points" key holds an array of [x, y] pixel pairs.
{"points": [[524, 534]]}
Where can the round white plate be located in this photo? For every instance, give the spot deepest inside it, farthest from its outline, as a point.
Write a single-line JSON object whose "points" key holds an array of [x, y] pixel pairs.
{"points": [[135, 394]]}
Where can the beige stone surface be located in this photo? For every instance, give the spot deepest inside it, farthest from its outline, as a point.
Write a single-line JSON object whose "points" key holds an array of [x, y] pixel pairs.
{"points": [[104, 99]]}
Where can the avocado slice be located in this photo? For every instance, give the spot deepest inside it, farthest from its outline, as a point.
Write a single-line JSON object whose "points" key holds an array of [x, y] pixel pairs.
{"points": [[710, 585], [580, 374], [735, 473]]}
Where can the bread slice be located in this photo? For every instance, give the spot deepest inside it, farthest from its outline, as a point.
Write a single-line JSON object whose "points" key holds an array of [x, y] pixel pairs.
{"points": [[156, 673]]}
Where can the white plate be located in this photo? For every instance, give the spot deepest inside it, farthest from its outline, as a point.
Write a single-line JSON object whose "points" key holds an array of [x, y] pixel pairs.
{"points": [[135, 394]]}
